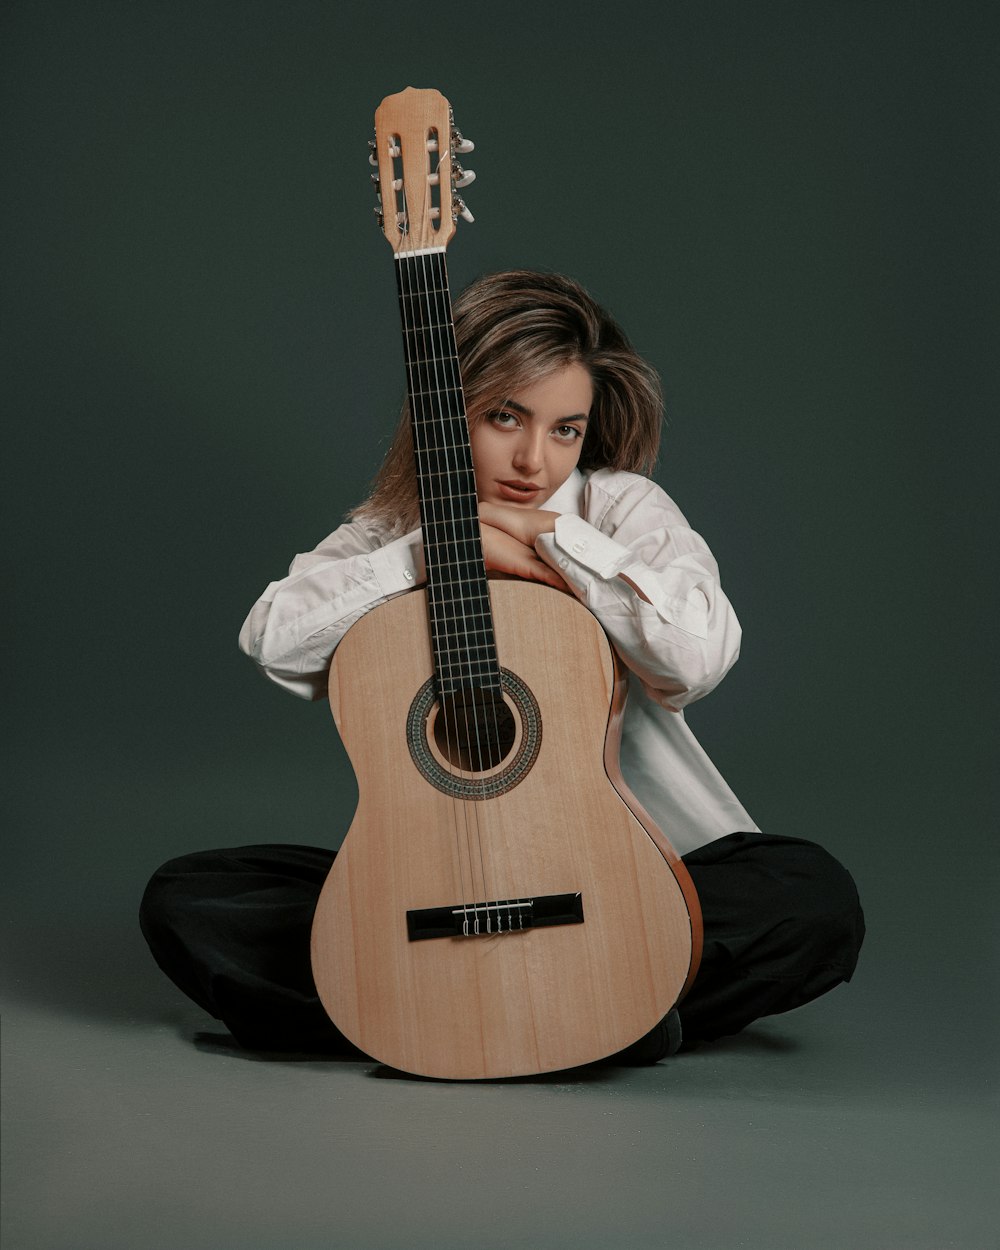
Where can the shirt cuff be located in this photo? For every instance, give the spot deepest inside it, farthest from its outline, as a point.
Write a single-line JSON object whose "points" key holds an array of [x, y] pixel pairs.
{"points": [[674, 593], [585, 544], [399, 565]]}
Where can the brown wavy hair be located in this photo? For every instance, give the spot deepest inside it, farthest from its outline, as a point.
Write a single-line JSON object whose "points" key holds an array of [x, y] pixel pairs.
{"points": [[513, 329]]}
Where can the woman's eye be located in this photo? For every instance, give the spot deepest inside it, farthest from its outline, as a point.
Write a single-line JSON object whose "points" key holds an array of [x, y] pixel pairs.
{"points": [[504, 419], [568, 433]]}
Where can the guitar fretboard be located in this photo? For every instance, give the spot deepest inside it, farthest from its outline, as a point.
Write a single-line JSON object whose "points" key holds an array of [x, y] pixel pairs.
{"points": [[461, 622]]}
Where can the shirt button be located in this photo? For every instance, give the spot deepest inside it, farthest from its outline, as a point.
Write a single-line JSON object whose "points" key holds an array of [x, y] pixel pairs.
{"points": [[408, 575], [564, 563], [579, 546]]}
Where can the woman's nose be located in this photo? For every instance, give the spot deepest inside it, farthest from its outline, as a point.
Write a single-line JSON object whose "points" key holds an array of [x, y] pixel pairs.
{"points": [[528, 453]]}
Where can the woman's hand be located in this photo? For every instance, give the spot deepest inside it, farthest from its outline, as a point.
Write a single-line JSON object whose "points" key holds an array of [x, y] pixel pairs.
{"points": [[509, 534], [524, 524]]}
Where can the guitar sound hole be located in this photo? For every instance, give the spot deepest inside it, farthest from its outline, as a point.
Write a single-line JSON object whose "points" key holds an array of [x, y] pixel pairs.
{"points": [[474, 730]]}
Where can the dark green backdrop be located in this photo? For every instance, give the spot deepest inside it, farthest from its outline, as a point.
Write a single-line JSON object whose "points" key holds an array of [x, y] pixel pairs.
{"points": [[791, 207]]}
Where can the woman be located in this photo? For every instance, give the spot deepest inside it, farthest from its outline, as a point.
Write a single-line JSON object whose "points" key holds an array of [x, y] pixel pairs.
{"points": [[564, 419]]}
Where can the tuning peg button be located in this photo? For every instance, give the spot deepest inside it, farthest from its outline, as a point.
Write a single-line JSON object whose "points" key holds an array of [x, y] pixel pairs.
{"points": [[466, 176], [460, 209], [459, 142]]}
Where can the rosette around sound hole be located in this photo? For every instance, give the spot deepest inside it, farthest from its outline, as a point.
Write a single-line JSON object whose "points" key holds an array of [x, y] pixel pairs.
{"points": [[476, 743]]}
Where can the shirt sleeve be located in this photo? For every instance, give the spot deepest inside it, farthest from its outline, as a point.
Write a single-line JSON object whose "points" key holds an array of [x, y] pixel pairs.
{"points": [[653, 584], [296, 624]]}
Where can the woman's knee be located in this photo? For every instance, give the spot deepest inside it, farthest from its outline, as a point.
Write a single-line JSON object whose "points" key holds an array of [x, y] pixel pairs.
{"points": [[823, 900]]}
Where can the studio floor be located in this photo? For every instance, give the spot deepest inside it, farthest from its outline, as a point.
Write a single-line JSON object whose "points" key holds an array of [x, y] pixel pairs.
{"points": [[152, 1130]]}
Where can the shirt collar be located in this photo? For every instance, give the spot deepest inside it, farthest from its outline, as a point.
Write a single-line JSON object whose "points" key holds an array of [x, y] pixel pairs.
{"points": [[569, 496]]}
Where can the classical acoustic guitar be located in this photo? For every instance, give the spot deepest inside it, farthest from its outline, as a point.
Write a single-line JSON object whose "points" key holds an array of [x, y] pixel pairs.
{"points": [[501, 905]]}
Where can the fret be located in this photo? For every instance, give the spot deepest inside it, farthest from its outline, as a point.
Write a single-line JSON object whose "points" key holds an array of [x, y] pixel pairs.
{"points": [[440, 520], [432, 460], [441, 493], [440, 338], [475, 620], [465, 494], [483, 676], [428, 324], [461, 653], [455, 591], [449, 610], [457, 569], [459, 549], [435, 391], [469, 543], [456, 469], [468, 594], [456, 642], [436, 546], [453, 423], [430, 342], [448, 613], [438, 421], [459, 472], [438, 531], [425, 290], [441, 488], [486, 681], [464, 507], [457, 595], [469, 672], [430, 383], [453, 564], [457, 608]]}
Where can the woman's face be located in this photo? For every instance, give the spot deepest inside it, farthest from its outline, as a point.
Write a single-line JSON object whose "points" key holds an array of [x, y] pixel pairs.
{"points": [[524, 450]]}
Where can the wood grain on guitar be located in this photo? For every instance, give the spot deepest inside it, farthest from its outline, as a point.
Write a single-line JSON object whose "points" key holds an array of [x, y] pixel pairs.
{"points": [[501, 905]]}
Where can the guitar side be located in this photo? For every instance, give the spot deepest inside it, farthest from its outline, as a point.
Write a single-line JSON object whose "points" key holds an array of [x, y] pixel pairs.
{"points": [[519, 1001]]}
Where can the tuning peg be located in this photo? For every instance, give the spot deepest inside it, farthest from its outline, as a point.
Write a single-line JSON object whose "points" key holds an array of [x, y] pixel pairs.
{"points": [[463, 177], [459, 209], [460, 144], [372, 153], [379, 216]]}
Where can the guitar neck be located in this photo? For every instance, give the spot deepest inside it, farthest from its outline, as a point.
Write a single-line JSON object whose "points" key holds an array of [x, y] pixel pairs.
{"points": [[461, 622]]}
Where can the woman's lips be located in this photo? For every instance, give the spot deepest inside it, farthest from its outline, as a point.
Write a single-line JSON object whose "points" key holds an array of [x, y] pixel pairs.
{"points": [[518, 492]]}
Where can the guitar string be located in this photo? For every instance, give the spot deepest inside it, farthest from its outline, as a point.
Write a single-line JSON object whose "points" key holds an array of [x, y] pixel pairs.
{"points": [[410, 329], [447, 708], [438, 315], [443, 317], [493, 698]]}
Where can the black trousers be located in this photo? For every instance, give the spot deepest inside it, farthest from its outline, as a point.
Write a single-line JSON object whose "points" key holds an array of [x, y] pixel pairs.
{"points": [[231, 929]]}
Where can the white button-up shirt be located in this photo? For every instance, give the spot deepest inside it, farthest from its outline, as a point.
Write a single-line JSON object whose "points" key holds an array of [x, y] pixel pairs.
{"points": [[627, 552]]}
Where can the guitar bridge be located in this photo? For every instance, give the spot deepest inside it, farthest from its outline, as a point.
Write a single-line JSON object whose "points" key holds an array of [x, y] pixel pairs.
{"points": [[490, 919]]}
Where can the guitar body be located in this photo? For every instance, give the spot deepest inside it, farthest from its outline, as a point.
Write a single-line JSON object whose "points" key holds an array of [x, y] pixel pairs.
{"points": [[551, 821]]}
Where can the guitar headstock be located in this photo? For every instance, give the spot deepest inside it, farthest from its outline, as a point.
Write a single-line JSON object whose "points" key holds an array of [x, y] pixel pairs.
{"points": [[415, 153]]}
